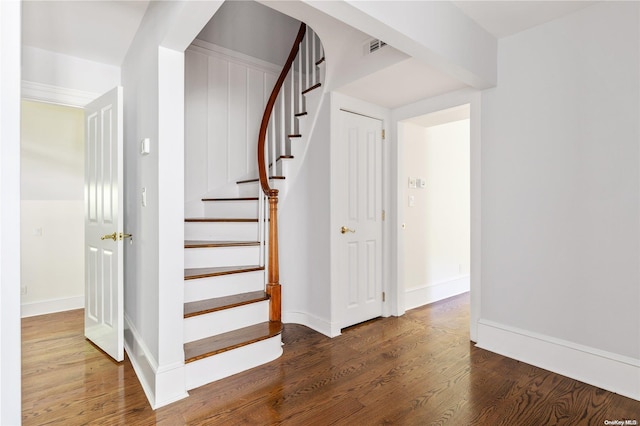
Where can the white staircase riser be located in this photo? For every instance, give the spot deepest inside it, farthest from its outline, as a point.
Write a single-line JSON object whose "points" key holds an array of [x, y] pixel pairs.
{"points": [[302, 125], [202, 326], [322, 68], [282, 164], [231, 209], [225, 364], [212, 257], [312, 100], [223, 285], [251, 189], [221, 231]]}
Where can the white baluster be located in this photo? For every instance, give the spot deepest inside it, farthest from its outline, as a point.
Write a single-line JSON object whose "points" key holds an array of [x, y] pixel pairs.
{"points": [[300, 106], [306, 56], [283, 126], [274, 142], [292, 102], [314, 58], [261, 222]]}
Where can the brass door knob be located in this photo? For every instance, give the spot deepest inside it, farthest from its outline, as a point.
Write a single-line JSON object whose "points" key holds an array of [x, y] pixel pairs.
{"points": [[344, 230], [113, 237]]}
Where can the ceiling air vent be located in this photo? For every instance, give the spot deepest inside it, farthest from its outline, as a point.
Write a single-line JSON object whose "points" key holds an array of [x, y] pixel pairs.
{"points": [[374, 45]]}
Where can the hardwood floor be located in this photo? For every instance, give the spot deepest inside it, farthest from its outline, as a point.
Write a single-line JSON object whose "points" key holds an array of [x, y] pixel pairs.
{"points": [[414, 370]]}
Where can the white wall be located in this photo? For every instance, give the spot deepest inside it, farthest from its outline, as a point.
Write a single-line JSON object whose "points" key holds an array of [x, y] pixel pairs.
{"points": [[153, 81], [225, 95], [304, 242], [10, 381], [437, 219], [52, 209], [560, 198]]}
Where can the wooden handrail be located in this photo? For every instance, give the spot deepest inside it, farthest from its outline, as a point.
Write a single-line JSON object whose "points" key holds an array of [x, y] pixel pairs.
{"points": [[273, 280], [262, 135]]}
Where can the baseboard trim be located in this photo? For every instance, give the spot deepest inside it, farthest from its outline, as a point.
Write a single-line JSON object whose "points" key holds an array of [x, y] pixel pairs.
{"points": [[429, 293], [52, 306], [153, 379], [606, 370], [321, 326]]}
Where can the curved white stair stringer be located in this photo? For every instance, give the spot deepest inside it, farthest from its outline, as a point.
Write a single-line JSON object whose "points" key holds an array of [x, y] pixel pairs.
{"points": [[300, 147], [225, 364]]}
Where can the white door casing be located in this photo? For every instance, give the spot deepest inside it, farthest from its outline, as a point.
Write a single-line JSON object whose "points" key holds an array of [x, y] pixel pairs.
{"points": [[104, 315], [359, 251]]}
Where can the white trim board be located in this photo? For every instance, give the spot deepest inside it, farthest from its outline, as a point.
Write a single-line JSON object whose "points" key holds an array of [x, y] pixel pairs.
{"points": [[613, 372], [152, 377], [211, 49], [51, 306], [56, 95], [325, 327], [430, 293]]}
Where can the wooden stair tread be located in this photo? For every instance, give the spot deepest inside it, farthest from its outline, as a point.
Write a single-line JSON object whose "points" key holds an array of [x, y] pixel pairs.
{"points": [[315, 86], [321, 60], [301, 114], [232, 199], [297, 135], [256, 179], [195, 273], [214, 345], [212, 219], [202, 307], [207, 244]]}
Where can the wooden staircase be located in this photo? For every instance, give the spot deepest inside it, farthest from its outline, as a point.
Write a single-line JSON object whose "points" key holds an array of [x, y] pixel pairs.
{"points": [[229, 322]]}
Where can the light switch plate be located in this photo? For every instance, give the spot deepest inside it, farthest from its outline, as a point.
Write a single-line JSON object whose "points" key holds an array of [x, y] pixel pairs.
{"points": [[145, 146]]}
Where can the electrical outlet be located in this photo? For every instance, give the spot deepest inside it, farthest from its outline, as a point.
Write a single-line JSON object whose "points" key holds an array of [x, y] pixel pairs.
{"points": [[412, 182]]}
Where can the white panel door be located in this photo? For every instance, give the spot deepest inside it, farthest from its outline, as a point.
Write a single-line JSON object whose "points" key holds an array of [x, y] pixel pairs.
{"points": [[359, 260], [103, 318]]}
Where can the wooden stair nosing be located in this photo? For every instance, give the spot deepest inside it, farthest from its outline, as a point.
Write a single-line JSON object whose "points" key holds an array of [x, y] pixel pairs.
{"points": [[301, 114], [196, 273], [214, 219], [211, 244], [214, 345], [315, 86], [256, 179], [321, 60], [232, 199], [297, 135], [201, 307]]}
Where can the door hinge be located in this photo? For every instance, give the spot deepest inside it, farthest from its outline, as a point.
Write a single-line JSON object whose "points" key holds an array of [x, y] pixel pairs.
{"points": [[384, 215], [384, 296], [383, 134]]}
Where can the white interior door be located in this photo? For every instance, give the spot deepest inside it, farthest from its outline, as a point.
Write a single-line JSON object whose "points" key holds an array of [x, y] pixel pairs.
{"points": [[359, 260], [103, 318]]}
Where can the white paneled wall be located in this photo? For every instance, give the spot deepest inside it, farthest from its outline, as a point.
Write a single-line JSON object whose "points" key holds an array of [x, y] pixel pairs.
{"points": [[225, 96]]}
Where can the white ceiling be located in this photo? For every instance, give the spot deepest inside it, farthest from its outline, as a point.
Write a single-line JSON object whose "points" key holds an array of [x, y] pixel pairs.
{"points": [[400, 84], [99, 31], [505, 18], [102, 31]]}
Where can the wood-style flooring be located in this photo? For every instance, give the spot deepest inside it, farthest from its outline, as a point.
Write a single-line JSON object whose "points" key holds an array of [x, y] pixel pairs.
{"points": [[418, 369]]}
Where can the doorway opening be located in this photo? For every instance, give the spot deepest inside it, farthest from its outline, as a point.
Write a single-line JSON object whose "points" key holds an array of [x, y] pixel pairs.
{"points": [[435, 192], [52, 208]]}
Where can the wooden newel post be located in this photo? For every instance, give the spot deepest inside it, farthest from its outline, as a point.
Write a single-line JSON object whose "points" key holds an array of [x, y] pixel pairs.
{"points": [[273, 282]]}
